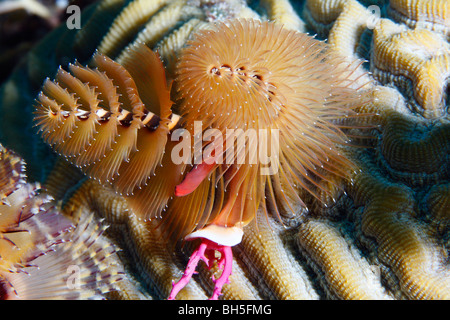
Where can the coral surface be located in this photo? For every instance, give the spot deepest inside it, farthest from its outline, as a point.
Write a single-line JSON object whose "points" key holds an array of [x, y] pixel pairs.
{"points": [[382, 234]]}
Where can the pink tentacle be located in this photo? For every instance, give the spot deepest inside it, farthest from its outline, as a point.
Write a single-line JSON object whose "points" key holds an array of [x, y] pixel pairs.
{"points": [[226, 261], [196, 256]]}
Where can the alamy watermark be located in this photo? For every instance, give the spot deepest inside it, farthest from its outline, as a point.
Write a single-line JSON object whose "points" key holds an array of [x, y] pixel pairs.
{"points": [[374, 18], [74, 20], [234, 146], [73, 282]]}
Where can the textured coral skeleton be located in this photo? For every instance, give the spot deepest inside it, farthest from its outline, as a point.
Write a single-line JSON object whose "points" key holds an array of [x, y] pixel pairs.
{"points": [[385, 235]]}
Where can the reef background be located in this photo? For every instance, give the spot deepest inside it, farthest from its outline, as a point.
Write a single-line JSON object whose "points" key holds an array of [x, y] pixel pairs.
{"points": [[386, 237]]}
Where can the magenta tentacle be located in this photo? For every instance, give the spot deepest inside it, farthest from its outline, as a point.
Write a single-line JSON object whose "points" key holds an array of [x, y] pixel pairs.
{"points": [[196, 256], [226, 261]]}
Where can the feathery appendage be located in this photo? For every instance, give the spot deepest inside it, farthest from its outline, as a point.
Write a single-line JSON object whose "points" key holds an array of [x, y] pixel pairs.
{"points": [[111, 121], [247, 74], [29, 222], [39, 246], [81, 266]]}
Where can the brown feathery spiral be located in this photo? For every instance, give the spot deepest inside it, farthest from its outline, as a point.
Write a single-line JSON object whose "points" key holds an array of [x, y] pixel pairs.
{"points": [[12, 174], [111, 121], [38, 244], [248, 74], [29, 222]]}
